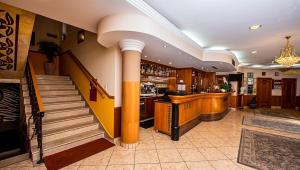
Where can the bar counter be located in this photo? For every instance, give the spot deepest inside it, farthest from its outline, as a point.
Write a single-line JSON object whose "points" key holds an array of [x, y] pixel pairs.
{"points": [[182, 113]]}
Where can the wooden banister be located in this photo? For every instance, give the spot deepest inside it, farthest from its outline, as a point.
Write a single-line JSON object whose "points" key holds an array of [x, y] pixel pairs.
{"points": [[99, 88], [36, 89]]}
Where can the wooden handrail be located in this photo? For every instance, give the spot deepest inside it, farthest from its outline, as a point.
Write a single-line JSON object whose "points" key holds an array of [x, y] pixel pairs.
{"points": [[35, 85], [88, 74]]}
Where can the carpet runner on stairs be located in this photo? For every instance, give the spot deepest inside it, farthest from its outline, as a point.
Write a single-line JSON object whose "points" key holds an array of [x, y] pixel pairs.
{"points": [[70, 156]]}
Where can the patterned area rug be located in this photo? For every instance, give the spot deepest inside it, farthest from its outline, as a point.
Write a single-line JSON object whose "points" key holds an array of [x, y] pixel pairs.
{"points": [[269, 152], [281, 124], [285, 113]]}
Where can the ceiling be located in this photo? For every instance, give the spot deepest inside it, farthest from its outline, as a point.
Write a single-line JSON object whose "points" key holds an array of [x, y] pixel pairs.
{"points": [[224, 24], [214, 23]]}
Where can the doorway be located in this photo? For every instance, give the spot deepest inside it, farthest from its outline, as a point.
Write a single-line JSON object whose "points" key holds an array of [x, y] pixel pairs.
{"points": [[264, 92], [288, 93]]}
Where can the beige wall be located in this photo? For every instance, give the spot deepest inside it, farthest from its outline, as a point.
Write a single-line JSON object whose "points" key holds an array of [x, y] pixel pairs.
{"points": [[44, 25], [103, 63], [271, 74]]}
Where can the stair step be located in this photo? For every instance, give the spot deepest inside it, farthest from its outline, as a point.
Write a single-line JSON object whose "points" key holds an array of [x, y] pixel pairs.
{"points": [[53, 99], [65, 113], [67, 121], [63, 105], [48, 93], [56, 146], [57, 87], [50, 82], [51, 77], [26, 100], [60, 133]]}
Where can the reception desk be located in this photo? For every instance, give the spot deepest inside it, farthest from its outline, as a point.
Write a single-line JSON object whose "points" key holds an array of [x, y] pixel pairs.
{"points": [[184, 112]]}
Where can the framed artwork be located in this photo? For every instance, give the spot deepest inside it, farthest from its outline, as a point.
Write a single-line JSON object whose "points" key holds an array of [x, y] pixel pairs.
{"points": [[80, 36], [277, 84]]}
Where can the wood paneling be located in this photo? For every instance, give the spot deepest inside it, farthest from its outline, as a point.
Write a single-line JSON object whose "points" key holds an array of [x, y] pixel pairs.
{"points": [[186, 76], [162, 117], [117, 122], [193, 106], [232, 101], [247, 99], [276, 101], [289, 93], [298, 101], [264, 92]]}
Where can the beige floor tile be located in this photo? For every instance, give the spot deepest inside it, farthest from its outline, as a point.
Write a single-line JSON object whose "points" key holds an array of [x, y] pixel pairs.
{"points": [[169, 155], [224, 165], [70, 167], [230, 152], [120, 167], [183, 144], [174, 166], [92, 167], [27, 163], [212, 153], [243, 167], [191, 155], [147, 167], [201, 165], [160, 136], [164, 144], [200, 143], [146, 145], [122, 157], [146, 156]]}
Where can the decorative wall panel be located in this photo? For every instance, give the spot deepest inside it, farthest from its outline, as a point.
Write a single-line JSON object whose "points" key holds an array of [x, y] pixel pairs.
{"points": [[9, 25], [9, 102]]}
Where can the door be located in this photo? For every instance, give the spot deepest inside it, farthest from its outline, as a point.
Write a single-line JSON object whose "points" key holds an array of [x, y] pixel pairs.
{"points": [[264, 92], [288, 93]]}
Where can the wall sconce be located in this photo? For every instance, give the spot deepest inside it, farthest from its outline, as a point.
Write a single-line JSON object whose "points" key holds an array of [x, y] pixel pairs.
{"points": [[80, 36]]}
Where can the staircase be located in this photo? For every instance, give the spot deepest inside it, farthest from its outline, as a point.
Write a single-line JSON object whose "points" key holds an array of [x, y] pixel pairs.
{"points": [[67, 121]]}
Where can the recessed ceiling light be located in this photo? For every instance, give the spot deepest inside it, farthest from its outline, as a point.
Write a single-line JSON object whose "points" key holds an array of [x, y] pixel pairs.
{"points": [[254, 27], [146, 56], [158, 60], [254, 52], [165, 46], [170, 63]]}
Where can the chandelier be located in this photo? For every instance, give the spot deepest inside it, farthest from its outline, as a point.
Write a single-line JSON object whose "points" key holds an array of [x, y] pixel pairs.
{"points": [[287, 56]]}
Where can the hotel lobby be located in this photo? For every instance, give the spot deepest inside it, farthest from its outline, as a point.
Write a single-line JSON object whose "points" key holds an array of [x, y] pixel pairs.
{"points": [[149, 84]]}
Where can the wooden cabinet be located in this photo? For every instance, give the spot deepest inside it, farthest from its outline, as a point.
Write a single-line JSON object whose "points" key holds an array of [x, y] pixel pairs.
{"points": [[163, 117], [148, 107]]}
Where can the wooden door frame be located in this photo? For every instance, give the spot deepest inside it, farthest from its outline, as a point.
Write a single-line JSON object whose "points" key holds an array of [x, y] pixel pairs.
{"points": [[258, 78]]}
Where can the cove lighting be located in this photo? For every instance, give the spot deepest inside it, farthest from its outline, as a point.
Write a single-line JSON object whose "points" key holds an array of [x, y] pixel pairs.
{"points": [[217, 48], [193, 37], [257, 66], [255, 27]]}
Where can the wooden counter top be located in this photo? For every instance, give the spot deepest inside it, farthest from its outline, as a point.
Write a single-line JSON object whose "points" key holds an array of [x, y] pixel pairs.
{"points": [[186, 98]]}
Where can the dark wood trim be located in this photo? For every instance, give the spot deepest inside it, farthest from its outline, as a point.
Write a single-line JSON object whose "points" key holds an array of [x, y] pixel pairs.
{"points": [[276, 101], [117, 121], [298, 101], [175, 122], [16, 42], [214, 117], [87, 73]]}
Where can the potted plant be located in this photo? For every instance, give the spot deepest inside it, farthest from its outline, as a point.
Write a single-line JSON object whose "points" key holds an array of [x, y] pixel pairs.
{"points": [[51, 50], [225, 87]]}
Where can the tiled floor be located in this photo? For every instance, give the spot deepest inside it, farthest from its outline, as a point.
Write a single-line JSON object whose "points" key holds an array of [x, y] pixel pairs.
{"points": [[210, 145]]}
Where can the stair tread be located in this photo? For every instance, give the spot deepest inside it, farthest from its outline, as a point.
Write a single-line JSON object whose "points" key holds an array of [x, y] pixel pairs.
{"points": [[67, 128], [68, 95], [65, 102], [66, 110], [61, 119], [68, 140], [58, 90]]}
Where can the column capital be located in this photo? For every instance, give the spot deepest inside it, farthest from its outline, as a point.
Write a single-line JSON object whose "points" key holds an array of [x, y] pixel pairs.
{"points": [[131, 45]]}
